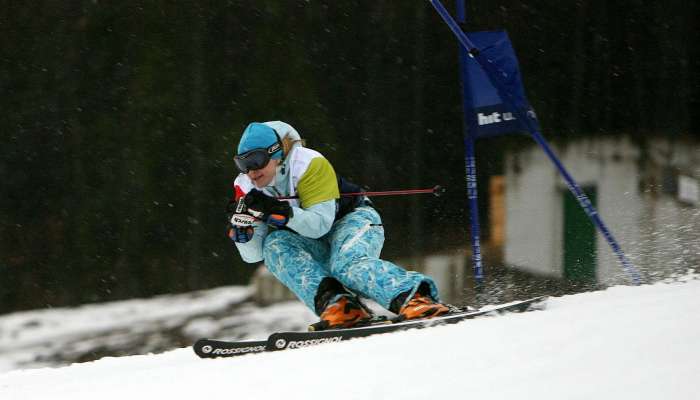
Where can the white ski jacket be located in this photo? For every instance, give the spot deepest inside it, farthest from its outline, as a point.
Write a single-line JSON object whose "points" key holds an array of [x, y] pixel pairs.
{"points": [[305, 173]]}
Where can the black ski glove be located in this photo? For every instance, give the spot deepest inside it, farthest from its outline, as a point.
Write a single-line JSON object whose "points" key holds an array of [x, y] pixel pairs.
{"points": [[274, 212], [240, 227]]}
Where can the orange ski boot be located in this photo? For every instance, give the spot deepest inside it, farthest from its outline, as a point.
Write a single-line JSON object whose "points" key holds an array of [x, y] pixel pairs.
{"points": [[421, 306], [345, 312]]}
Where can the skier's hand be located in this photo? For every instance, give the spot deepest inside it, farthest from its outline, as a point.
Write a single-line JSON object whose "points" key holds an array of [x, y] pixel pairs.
{"points": [[239, 214], [274, 212], [241, 225], [241, 234]]}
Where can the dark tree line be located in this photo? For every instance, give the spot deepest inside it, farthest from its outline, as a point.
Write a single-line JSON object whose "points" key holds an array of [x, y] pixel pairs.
{"points": [[120, 119]]}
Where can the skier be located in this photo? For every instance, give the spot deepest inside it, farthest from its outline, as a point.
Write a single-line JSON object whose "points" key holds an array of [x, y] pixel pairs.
{"points": [[322, 246]]}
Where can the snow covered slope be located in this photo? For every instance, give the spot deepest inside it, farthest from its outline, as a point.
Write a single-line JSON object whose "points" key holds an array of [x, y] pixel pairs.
{"points": [[58, 336], [621, 343]]}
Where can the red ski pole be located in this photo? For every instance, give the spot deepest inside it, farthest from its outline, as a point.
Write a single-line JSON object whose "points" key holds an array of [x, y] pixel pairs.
{"points": [[437, 191]]}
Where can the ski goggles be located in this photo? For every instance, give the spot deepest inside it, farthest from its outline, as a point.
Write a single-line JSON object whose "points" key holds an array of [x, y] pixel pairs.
{"points": [[256, 158]]}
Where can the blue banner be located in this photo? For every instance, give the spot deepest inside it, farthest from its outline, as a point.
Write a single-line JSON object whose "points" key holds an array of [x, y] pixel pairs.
{"points": [[485, 112]]}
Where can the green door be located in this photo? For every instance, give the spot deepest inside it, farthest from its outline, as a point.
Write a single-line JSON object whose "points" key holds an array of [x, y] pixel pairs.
{"points": [[579, 238]]}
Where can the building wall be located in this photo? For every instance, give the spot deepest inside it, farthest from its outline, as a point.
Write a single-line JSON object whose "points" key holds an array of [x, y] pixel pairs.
{"points": [[643, 218]]}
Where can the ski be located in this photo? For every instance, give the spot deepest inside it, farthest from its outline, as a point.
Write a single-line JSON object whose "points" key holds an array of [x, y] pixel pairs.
{"points": [[293, 340], [207, 348], [210, 348]]}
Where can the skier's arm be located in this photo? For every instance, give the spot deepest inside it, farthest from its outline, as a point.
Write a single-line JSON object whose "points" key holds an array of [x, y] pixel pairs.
{"points": [[317, 190], [250, 247], [315, 221], [252, 250]]}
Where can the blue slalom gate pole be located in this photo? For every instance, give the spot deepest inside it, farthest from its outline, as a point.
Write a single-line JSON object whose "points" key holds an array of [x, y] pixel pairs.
{"points": [[496, 78], [472, 195], [470, 165]]}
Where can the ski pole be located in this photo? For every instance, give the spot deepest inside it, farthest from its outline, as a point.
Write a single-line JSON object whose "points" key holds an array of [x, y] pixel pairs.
{"points": [[436, 190]]}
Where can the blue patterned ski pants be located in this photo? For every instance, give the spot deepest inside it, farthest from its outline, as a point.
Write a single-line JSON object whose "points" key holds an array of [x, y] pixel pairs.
{"points": [[349, 252]]}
